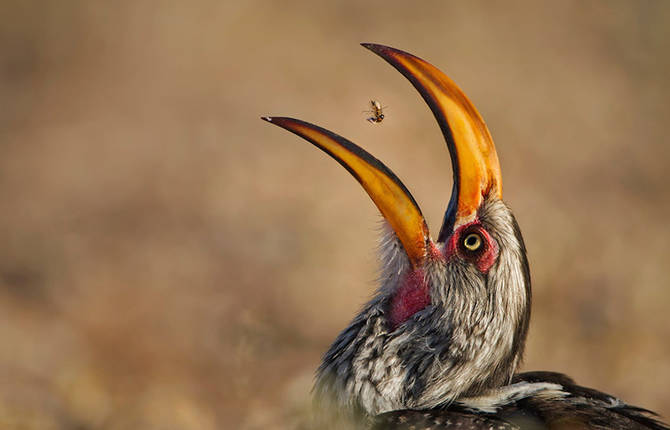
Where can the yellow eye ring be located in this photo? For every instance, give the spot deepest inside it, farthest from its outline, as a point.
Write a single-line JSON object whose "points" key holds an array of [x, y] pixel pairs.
{"points": [[472, 242]]}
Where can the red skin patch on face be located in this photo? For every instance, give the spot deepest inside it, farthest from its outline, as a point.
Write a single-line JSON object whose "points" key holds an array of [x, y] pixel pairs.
{"points": [[482, 261], [411, 297], [489, 256], [435, 252]]}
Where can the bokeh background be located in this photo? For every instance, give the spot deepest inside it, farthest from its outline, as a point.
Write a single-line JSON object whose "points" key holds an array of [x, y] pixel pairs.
{"points": [[169, 261]]}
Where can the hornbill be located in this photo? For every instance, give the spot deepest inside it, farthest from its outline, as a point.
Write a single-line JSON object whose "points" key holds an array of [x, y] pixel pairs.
{"points": [[439, 343]]}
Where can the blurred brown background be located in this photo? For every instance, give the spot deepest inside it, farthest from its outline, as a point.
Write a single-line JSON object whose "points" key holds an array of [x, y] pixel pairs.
{"points": [[167, 260]]}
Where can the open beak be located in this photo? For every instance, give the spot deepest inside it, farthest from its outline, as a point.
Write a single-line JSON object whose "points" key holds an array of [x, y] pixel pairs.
{"points": [[392, 198], [473, 157]]}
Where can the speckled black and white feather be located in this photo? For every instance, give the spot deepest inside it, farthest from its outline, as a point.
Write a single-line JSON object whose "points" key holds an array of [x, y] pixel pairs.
{"points": [[534, 401], [469, 338]]}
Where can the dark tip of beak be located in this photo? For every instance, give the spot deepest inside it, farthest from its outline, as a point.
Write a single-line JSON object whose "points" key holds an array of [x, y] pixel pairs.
{"points": [[267, 118], [374, 47]]}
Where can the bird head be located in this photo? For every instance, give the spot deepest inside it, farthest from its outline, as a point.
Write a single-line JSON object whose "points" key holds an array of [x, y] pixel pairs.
{"points": [[450, 316]]}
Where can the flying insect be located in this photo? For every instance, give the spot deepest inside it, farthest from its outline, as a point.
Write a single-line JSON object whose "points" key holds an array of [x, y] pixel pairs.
{"points": [[377, 112]]}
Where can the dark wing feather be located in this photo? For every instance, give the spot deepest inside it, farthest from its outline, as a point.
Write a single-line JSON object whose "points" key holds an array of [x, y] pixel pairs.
{"points": [[579, 408], [585, 407]]}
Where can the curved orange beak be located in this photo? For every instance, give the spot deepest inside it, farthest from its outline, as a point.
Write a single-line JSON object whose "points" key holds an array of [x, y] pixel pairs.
{"points": [[473, 154], [392, 198]]}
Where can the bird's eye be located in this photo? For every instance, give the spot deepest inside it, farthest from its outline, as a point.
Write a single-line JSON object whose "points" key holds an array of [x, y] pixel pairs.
{"points": [[472, 242]]}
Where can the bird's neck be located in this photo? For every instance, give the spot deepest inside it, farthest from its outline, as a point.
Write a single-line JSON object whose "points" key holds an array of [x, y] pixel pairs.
{"points": [[430, 360]]}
